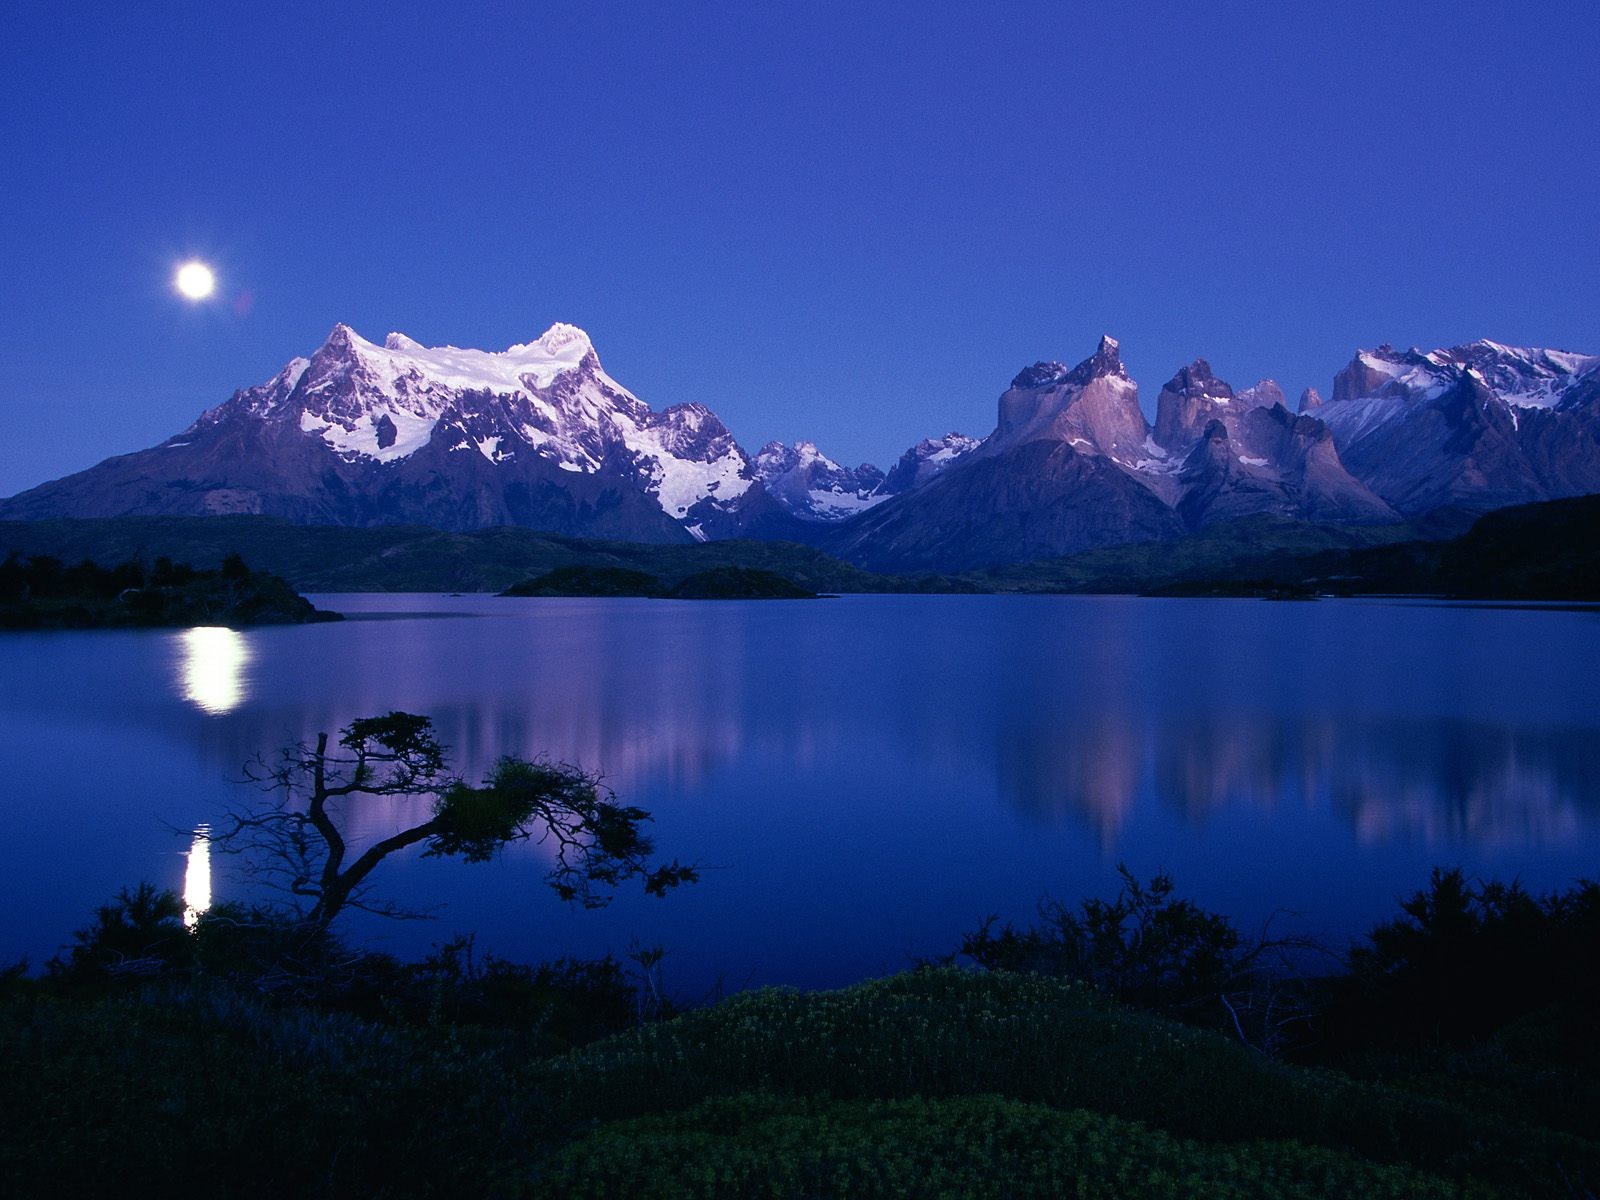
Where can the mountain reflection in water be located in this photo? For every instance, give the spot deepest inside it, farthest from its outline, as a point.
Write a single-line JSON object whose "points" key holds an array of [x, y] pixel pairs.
{"points": [[873, 773], [1402, 778]]}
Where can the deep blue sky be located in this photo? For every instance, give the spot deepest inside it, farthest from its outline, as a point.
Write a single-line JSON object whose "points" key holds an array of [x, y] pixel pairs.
{"points": [[825, 222]]}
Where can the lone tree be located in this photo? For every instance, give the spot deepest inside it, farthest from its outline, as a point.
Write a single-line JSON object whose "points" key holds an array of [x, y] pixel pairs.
{"points": [[296, 843]]}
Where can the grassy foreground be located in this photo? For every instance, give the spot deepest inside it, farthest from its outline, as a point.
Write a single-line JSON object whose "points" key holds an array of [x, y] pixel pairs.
{"points": [[939, 1082]]}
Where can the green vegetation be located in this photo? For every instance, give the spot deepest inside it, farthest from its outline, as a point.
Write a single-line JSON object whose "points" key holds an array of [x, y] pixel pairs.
{"points": [[43, 593], [398, 558], [1535, 551], [588, 581], [921, 1082], [737, 583], [719, 583], [1546, 551], [968, 1147], [1242, 549], [262, 1058]]}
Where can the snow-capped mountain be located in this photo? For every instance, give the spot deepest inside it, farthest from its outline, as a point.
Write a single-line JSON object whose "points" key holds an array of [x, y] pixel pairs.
{"points": [[539, 435], [1457, 432], [811, 486], [925, 460], [536, 435]]}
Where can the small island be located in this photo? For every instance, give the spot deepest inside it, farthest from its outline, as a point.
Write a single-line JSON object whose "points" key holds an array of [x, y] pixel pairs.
{"points": [[588, 581], [44, 593], [719, 583]]}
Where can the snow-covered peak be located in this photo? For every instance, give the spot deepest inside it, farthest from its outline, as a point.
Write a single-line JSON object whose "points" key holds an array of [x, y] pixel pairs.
{"points": [[926, 459], [563, 341], [542, 403], [404, 364], [1521, 376], [812, 486]]}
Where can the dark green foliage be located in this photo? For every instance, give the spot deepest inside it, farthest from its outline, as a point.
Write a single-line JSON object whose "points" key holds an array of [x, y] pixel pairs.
{"points": [[565, 1003], [197, 1089], [411, 558], [173, 1086], [1151, 950], [737, 583], [1231, 550], [980, 1147], [41, 593], [588, 581], [946, 1033], [1467, 960], [1530, 551], [1534, 551], [598, 843], [1545, 551], [138, 934], [719, 583], [1146, 947]]}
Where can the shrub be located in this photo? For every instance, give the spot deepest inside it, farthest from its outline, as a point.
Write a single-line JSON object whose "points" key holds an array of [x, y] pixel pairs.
{"points": [[944, 1032], [979, 1147], [1467, 960]]}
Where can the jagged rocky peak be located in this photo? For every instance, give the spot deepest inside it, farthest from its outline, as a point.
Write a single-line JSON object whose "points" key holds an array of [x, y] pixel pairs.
{"points": [[1106, 360], [1385, 371], [1104, 363], [1041, 374], [1264, 393], [1310, 400], [1197, 379], [1094, 407], [1190, 399]]}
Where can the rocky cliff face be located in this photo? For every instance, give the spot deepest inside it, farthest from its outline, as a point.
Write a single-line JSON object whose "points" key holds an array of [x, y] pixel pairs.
{"points": [[1073, 463], [1094, 406], [1243, 453]]}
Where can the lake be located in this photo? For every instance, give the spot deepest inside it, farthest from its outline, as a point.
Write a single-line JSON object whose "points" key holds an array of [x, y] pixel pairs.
{"points": [[867, 776]]}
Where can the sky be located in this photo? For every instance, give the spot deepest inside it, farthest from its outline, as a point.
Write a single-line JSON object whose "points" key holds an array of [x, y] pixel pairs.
{"points": [[848, 223]]}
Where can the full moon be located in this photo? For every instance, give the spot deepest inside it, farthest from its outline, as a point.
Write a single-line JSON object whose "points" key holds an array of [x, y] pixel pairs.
{"points": [[196, 280]]}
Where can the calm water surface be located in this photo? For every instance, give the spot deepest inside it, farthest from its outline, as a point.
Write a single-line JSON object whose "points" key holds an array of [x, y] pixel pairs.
{"points": [[868, 775]]}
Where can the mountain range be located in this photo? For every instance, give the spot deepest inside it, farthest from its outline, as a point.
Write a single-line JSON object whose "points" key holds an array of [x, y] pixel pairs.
{"points": [[540, 436]]}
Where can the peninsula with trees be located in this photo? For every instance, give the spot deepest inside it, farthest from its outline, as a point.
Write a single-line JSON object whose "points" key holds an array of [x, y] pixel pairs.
{"points": [[42, 592]]}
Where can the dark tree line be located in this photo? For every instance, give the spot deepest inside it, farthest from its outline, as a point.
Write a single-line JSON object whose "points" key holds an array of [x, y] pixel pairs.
{"points": [[45, 577]]}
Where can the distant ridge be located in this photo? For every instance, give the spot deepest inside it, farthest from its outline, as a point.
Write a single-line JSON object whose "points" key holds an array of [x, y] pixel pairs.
{"points": [[539, 436]]}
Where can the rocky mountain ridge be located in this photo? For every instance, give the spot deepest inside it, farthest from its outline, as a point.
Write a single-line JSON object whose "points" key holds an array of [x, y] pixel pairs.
{"points": [[540, 436]]}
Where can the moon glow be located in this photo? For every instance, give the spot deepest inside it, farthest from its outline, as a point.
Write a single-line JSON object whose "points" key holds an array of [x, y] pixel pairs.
{"points": [[195, 281]]}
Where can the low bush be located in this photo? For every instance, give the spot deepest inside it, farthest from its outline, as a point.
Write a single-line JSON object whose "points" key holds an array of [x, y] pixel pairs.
{"points": [[946, 1032], [981, 1147]]}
